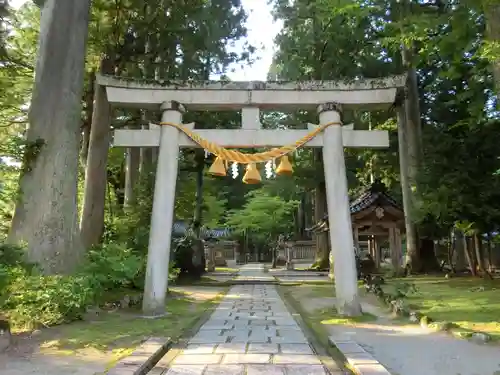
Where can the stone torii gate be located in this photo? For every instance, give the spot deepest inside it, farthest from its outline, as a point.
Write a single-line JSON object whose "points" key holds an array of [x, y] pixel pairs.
{"points": [[327, 97]]}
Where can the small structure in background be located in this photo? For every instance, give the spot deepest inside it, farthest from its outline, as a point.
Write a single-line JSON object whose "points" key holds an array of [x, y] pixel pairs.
{"points": [[377, 220], [219, 252]]}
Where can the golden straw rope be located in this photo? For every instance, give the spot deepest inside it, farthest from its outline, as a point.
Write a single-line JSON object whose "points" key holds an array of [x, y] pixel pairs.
{"points": [[239, 157]]}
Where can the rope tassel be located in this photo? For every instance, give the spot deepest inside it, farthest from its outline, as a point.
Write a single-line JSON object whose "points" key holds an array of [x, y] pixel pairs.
{"points": [[218, 168], [285, 168], [252, 175]]}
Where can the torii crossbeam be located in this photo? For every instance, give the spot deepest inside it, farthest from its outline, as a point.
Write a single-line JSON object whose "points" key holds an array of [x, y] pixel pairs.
{"points": [[327, 97]]}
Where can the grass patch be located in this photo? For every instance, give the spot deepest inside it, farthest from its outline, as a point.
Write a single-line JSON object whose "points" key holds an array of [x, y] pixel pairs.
{"points": [[120, 332], [226, 269], [308, 282], [330, 317], [470, 303]]}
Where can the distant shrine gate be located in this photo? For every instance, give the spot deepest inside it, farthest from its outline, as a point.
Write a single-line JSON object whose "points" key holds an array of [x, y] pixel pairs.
{"points": [[327, 97]]}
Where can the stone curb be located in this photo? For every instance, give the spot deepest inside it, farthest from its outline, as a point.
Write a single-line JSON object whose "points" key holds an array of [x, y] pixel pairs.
{"points": [[360, 361], [143, 359], [326, 358]]}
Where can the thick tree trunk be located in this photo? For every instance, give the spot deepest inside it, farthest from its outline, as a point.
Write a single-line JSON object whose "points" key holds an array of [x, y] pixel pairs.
{"points": [[469, 256], [459, 259], [89, 109], [84, 148], [46, 214], [428, 261], [132, 164], [94, 196], [412, 249], [492, 13], [322, 249], [199, 254], [479, 254]]}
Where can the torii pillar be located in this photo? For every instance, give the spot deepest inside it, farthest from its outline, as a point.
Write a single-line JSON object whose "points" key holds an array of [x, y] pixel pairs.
{"points": [[339, 214]]}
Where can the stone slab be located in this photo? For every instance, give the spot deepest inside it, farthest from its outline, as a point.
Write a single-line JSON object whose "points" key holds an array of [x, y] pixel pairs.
{"points": [[208, 340], [231, 348], [349, 347], [296, 349], [283, 321], [371, 369], [265, 370], [246, 359], [186, 370], [199, 349], [197, 359], [224, 370], [305, 370], [296, 359], [360, 359], [263, 348], [289, 340]]}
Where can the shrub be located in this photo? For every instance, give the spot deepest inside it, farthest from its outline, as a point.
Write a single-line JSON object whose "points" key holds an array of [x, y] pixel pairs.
{"points": [[112, 266], [35, 300]]}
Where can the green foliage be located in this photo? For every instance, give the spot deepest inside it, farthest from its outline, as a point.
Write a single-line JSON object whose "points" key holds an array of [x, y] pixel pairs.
{"points": [[35, 300], [112, 266], [264, 215]]}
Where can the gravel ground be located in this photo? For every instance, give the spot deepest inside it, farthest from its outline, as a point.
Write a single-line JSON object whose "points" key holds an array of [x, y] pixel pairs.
{"points": [[412, 350]]}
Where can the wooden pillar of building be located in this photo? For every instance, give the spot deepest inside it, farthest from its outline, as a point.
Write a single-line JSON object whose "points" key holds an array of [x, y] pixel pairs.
{"points": [[355, 233], [395, 247], [376, 250]]}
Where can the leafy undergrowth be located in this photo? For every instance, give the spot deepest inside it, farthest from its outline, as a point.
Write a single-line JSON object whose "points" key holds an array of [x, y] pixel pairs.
{"points": [[470, 303]]}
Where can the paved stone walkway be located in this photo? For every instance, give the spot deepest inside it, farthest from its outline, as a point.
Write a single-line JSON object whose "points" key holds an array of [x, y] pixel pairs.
{"points": [[250, 333], [254, 272]]}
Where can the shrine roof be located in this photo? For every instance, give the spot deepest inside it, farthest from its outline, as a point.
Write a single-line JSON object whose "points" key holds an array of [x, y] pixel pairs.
{"points": [[181, 228], [376, 193]]}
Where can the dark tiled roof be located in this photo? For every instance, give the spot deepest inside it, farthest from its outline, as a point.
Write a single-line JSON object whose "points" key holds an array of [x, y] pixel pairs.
{"points": [[376, 193], [181, 228]]}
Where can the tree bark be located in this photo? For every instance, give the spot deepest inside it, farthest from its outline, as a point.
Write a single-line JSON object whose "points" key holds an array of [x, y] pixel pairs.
{"points": [[322, 248], [94, 196], [469, 256], [492, 14], [199, 255], [87, 122], [412, 253], [132, 164], [459, 259], [428, 261], [46, 215]]}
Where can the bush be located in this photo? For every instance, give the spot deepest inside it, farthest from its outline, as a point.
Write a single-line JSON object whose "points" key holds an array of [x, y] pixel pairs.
{"points": [[30, 299], [35, 300], [112, 266]]}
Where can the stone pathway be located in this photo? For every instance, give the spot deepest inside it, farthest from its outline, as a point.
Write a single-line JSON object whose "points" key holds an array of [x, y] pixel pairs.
{"points": [[250, 333], [254, 272]]}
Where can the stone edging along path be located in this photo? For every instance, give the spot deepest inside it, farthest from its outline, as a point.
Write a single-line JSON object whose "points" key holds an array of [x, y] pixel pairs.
{"points": [[361, 362], [399, 308], [143, 359]]}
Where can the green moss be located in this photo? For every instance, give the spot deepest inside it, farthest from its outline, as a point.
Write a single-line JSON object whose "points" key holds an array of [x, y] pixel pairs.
{"points": [[473, 304]]}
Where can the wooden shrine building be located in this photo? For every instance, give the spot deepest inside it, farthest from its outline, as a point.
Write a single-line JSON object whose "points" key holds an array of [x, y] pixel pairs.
{"points": [[378, 222]]}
